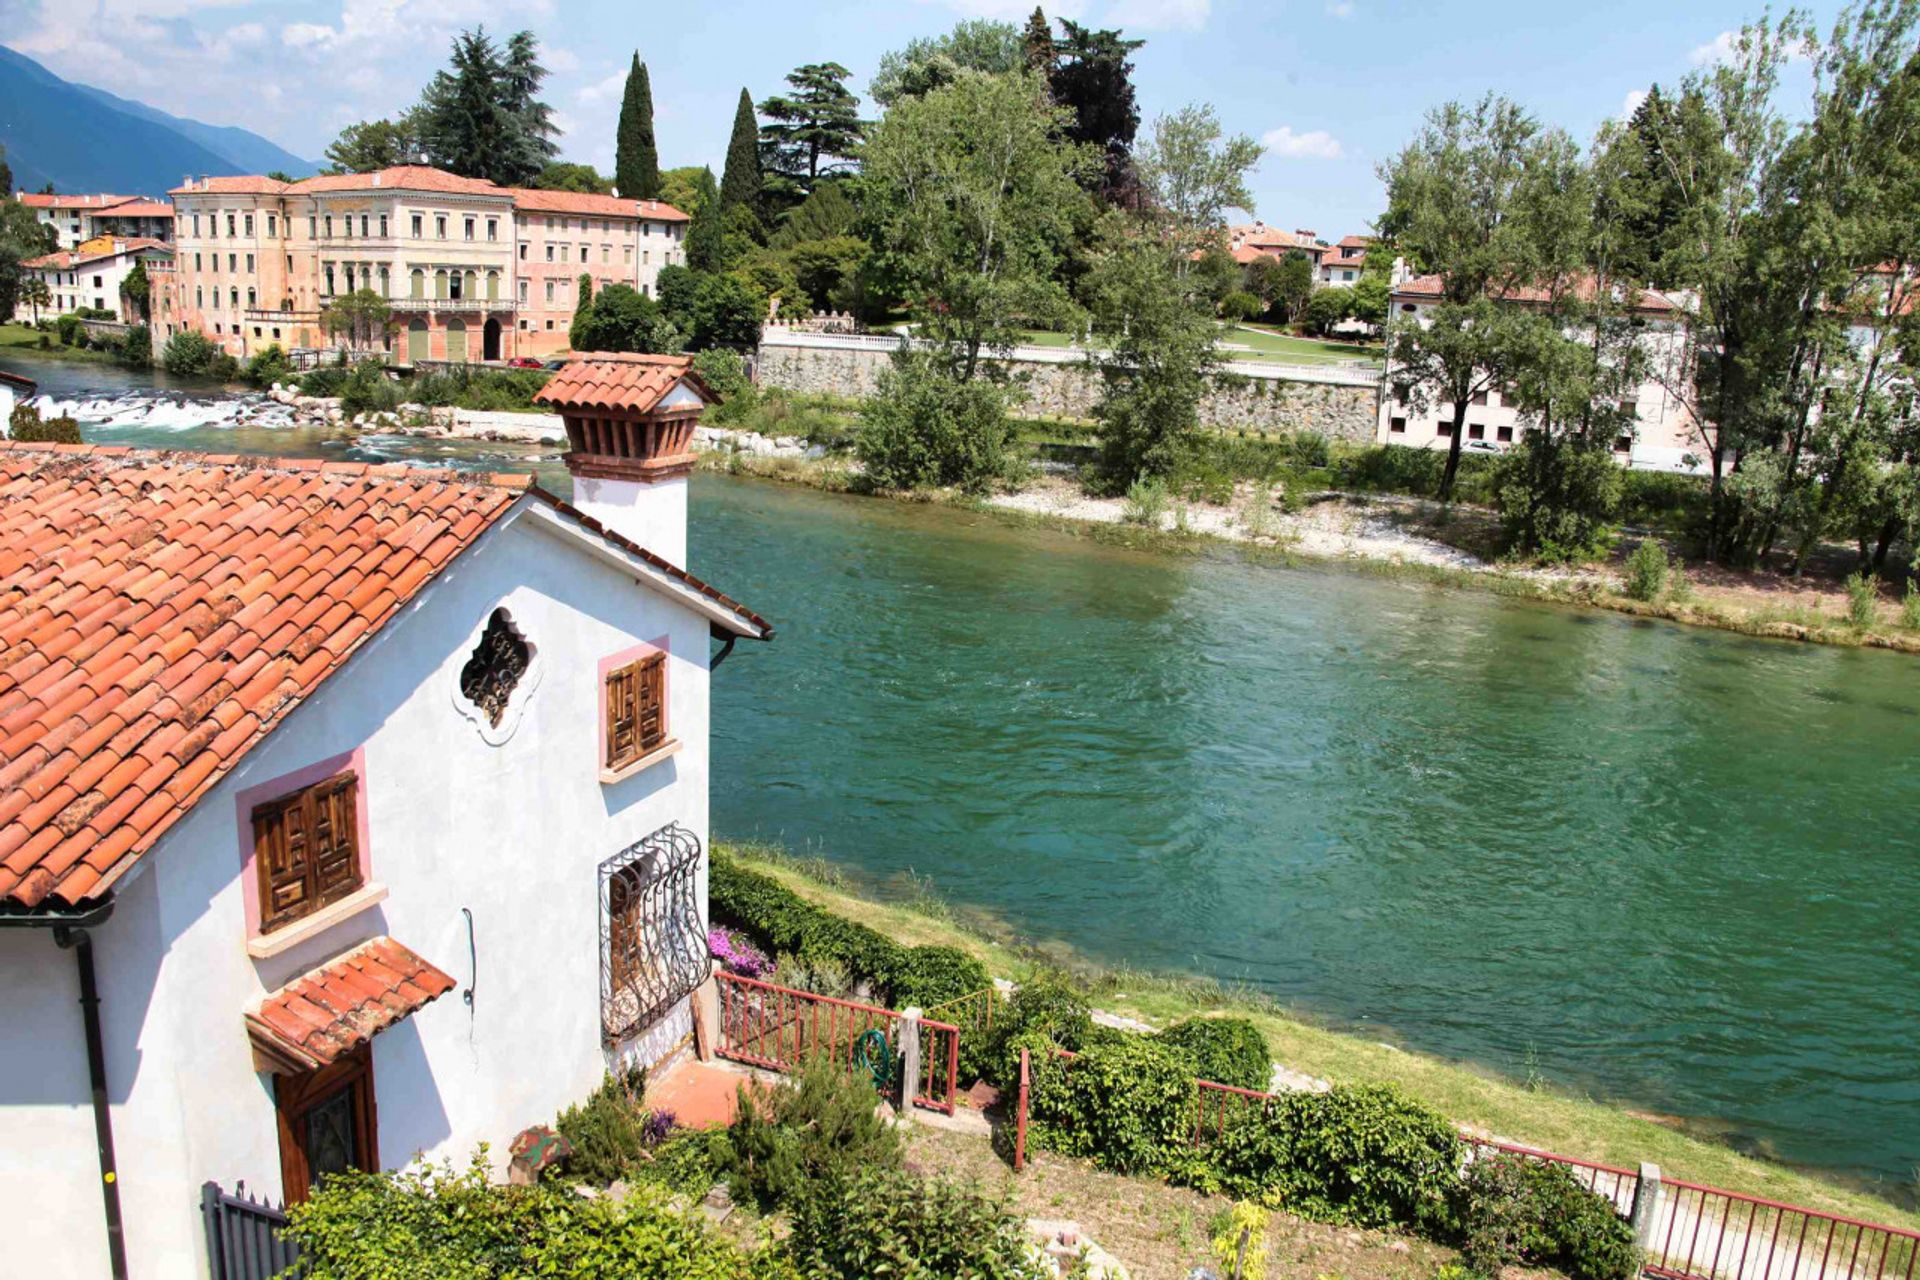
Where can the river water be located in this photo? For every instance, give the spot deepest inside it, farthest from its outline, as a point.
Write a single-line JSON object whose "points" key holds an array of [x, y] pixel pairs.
{"points": [[1675, 868]]}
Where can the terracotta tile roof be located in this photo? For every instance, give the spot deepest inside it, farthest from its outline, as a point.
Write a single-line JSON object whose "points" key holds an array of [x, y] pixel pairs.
{"points": [[140, 209], [598, 206], [1353, 242], [68, 258], [1651, 301], [333, 1010], [42, 200], [619, 380], [233, 184], [400, 177], [161, 613]]}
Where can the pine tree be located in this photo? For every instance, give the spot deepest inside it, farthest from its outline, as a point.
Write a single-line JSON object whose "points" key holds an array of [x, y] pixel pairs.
{"points": [[708, 227], [530, 146], [740, 183], [1094, 77], [636, 167], [1038, 42], [814, 131]]}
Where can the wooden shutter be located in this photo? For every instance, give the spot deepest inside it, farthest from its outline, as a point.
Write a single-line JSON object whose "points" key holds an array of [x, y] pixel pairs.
{"points": [[653, 701], [306, 847], [636, 710]]}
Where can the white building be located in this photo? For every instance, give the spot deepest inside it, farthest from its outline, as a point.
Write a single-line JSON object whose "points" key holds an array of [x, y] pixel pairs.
{"points": [[91, 276], [1666, 436], [76, 219], [370, 803]]}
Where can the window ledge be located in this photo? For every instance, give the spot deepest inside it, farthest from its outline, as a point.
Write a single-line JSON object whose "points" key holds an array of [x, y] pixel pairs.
{"points": [[289, 936], [670, 747]]}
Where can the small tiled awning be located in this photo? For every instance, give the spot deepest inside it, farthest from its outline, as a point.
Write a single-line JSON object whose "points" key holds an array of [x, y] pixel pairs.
{"points": [[321, 1016]]}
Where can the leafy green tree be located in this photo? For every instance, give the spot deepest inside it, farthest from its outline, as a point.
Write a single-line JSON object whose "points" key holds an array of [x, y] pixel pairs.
{"points": [[363, 316], [189, 353], [636, 165], [740, 182], [825, 214], [814, 131], [973, 47], [1371, 294], [1093, 78], [35, 293], [136, 348], [375, 144], [712, 308], [923, 427], [1036, 43], [682, 188], [1325, 308], [1295, 283], [22, 238], [829, 270], [970, 197], [138, 290], [622, 318], [482, 117], [562, 176]]}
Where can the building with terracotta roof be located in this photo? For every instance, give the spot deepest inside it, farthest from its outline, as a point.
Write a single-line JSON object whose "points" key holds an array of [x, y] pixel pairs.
{"points": [[90, 276], [76, 219], [347, 812], [1665, 434], [472, 271]]}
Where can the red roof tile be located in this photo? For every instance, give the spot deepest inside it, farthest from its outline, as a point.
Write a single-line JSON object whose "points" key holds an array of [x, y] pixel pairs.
{"points": [[1649, 300], [598, 206], [400, 177], [619, 380], [335, 1009], [234, 184], [46, 200], [140, 209]]}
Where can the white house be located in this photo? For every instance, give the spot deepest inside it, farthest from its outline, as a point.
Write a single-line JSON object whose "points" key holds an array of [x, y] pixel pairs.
{"points": [[91, 275], [347, 812], [76, 219]]}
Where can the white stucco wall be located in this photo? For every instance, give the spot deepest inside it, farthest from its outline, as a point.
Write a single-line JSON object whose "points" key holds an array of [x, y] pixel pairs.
{"points": [[514, 832]]}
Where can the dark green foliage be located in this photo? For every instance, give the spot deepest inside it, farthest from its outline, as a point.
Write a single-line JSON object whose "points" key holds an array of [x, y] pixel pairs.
{"points": [[1224, 1050], [788, 1139], [894, 1223], [778, 919], [622, 318], [1647, 571], [268, 366], [1093, 77], [1394, 468], [929, 976], [189, 353], [828, 271], [608, 1130], [1036, 43], [72, 332], [724, 372], [1519, 1211], [1363, 1155], [727, 311], [824, 215], [706, 228], [27, 426], [927, 427], [137, 289], [482, 116], [375, 144], [636, 165], [136, 348], [430, 1223], [1045, 1013], [1241, 305], [740, 182], [1125, 1104], [367, 389], [561, 176], [813, 132], [1558, 496], [1325, 309]]}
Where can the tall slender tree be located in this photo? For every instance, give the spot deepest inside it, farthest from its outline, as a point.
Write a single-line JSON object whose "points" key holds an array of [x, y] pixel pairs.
{"points": [[1093, 78], [530, 145], [1037, 43], [740, 182], [636, 165]]}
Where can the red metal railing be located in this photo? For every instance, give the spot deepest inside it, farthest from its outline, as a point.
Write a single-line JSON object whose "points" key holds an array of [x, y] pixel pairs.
{"points": [[973, 1012], [1697, 1232], [778, 1027]]}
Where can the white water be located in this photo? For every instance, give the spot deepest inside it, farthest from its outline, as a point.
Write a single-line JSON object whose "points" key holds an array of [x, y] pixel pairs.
{"points": [[167, 410]]}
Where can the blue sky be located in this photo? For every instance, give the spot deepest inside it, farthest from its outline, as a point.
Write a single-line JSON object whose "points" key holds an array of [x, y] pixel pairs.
{"points": [[1332, 86]]}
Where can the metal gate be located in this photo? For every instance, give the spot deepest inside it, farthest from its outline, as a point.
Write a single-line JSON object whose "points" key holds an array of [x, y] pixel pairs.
{"points": [[653, 952], [243, 1235]]}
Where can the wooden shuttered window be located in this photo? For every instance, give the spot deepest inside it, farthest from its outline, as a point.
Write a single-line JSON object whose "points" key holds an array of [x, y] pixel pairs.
{"points": [[636, 710], [306, 847]]}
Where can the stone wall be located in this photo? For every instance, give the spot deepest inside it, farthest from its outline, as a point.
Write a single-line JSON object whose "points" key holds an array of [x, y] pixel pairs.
{"points": [[1340, 403]]}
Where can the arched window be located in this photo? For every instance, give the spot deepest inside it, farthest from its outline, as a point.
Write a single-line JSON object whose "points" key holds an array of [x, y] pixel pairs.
{"points": [[440, 284], [418, 288], [493, 286]]}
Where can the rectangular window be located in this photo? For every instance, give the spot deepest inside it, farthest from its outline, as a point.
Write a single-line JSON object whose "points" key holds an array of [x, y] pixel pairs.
{"points": [[563, 252], [1479, 397], [196, 262], [1397, 426], [1476, 431], [606, 254], [313, 224], [230, 224], [523, 298], [364, 222], [549, 253], [383, 226], [247, 223], [272, 225], [306, 849], [629, 254], [523, 251], [467, 229], [329, 226], [249, 264], [549, 291], [233, 262], [440, 226], [1504, 435], [1623, 445], [636, 715], [416, 226], [1445, 430], [196, 224], [493, 228]]}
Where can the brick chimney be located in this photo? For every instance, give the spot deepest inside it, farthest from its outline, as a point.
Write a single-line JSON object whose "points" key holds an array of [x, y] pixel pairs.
{"points": [[630, 421]]}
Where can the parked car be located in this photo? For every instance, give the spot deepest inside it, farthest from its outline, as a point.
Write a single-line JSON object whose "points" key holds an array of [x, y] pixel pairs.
{"points": [[524, 362]]}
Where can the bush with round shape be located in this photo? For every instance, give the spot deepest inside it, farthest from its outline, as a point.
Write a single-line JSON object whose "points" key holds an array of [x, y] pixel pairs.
{"points": [[1519, 1211], [189, 354], [895, 1223], [1046, 1012], [1127, 1105], [819, 1125], [1225, 1051]]}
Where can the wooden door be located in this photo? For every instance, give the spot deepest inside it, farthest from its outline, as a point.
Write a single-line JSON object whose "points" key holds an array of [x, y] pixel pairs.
{"points": [[327, 1123]]}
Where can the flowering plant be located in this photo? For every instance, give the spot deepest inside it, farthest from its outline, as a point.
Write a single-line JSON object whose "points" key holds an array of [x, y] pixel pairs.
{"points": [[737, 955]]}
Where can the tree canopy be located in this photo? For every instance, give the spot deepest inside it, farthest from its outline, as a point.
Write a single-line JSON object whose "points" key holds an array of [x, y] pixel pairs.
{"points": [[975, 46], [812, 132], [482, 116], [636, 166], [375, 144], [1093, 78]]}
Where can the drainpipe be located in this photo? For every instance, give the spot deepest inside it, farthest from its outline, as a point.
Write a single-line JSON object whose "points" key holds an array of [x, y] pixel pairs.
{"points": [[727, 638], [70, 934]]}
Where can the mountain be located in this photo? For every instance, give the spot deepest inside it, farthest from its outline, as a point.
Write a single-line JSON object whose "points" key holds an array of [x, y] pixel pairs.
{"points": [[83, 139]]}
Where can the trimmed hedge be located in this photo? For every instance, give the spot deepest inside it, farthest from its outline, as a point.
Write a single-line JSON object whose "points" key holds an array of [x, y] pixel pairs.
{"points": [[1225, 1051], [1044, 1014], [1126, 1104], [1516, 1210], [779, 919]]}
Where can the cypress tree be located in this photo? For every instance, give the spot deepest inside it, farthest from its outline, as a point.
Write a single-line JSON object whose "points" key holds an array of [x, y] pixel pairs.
{"points": [[740, 183], [1037, 42], [636, 168]]}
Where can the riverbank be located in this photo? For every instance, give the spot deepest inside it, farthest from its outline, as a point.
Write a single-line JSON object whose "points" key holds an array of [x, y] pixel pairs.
{"points": [[1529, 1112], [1390, 535], [24, 339]]}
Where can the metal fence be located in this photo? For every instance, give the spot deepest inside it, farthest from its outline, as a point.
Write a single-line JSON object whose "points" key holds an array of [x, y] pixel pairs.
{"points": [[243, 1236], [777, 1027]]}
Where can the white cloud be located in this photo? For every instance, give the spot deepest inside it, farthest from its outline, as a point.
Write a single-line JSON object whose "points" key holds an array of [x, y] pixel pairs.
{"points": [[1315, 144], [1159, 15], [1718, 49], [1340, 9], [600, 90], [1631, 103], [560, 61]]}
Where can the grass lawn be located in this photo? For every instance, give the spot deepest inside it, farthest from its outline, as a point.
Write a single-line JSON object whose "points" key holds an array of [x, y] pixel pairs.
{"points": [[25, 338], [1267, 342], [1538, 1116]]}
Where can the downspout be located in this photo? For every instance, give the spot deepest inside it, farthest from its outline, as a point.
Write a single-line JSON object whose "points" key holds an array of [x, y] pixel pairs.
{"points": [[70, 934], [726, 648]]}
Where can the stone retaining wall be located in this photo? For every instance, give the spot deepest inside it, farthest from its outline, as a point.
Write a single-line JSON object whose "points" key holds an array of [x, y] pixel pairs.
{"points": [[1343, 406]]}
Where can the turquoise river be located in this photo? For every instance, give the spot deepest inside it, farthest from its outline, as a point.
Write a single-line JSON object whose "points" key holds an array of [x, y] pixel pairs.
{"points": [[1673, 868]]}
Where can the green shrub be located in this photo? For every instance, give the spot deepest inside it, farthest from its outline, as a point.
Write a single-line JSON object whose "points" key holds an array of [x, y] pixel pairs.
{"points": [[136, 348], [724, 372], [1146, 502], [1043, 1014], [268, 367], [367, 389], [607, 1131], [1516, 1210], [1910, 608], [431, 1223], [1225, 1051], [485, 390], [72, 332], [26, 425], [1394, 468], [1127, 1105], [788, 1138], [778, 919], [328, 380], [929, 976], [1558, 496], [1364, 1155], [189, 354], [1647, 571], [1662, 498], [1241, 305], [924, 427], [1863, 597], [897, 1224]]}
